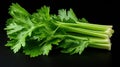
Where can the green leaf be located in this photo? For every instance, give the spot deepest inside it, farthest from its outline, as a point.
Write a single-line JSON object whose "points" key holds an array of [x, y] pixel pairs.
{"points": [[72, 15], [44, 12], [15, 9], [15, 46], [46, 48], [63, 14], [73, 46], [67, 16], [13, 27], [83, 20], [34, 49], [18, 27]]}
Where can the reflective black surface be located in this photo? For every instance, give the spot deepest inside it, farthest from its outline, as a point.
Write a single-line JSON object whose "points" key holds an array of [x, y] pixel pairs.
{"points": [[90, 57]]}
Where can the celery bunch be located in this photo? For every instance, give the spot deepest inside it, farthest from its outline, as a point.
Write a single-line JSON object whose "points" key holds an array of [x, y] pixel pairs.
{"points": [[36, 33]]}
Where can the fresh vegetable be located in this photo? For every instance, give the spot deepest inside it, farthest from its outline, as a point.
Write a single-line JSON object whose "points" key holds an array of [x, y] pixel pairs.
{"points": [[35, 34]]}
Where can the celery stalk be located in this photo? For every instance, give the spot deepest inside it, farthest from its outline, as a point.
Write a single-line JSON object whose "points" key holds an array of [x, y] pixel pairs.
{"points": [[101, 46], [84, 31], [97, 27]]}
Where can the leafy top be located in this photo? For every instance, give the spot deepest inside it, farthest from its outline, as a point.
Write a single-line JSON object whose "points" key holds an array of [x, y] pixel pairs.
{"points": [[36, 33]]}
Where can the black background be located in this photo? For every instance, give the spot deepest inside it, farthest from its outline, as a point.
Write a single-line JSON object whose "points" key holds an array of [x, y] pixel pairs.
{"points": [[101, 12]]}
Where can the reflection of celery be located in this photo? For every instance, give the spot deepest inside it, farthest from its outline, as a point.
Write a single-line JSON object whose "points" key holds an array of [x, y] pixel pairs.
{"points": [[36, 33]]}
